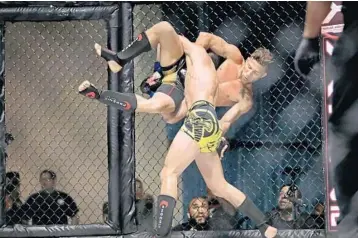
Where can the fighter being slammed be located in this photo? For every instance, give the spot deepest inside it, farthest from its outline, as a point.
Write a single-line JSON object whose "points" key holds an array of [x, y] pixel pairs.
{"points": [[235, 75], [201, 132]]}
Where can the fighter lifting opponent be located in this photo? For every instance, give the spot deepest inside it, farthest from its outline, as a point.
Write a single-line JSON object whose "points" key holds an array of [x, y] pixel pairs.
{"points": [[235, 76], [201, 132]]}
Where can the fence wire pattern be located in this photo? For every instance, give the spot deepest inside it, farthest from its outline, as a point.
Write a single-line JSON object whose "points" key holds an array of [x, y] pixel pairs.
{"points": [[278, 142], [51, 127]]}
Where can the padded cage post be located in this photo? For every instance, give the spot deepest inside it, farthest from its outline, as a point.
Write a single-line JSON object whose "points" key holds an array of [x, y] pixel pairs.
{"points": [[121, 129], [2, 125], [127, 162]]}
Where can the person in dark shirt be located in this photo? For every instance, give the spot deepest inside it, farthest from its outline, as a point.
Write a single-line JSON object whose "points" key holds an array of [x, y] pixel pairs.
{"points": [[198, 216], [13, 202], [13, 210], [342, 122], [50, 206], [318, 216], [144, 208], [287, 215], [222, 213]]}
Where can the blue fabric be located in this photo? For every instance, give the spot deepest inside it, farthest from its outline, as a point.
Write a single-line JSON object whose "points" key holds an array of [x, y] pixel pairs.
{"points": [[157, 67]]}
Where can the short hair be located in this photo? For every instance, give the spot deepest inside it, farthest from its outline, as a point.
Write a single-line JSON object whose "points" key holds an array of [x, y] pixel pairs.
{"points": [[263, 56], [197, 198], [52, 174], [293, 187]]}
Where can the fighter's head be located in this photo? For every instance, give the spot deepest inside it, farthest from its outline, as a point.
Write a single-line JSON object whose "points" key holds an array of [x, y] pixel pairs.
{"points": [[256, 65]]}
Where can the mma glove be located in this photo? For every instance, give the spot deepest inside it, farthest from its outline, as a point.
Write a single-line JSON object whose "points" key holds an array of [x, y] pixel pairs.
{"points": [[307, 55], [152, 83], [223, 147]]}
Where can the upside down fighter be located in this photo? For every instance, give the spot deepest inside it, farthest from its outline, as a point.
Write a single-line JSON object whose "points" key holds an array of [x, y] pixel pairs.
{"points": [[235, 76], [200, 134]]}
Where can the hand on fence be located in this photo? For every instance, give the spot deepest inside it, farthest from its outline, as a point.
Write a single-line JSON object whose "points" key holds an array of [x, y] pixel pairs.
{"points": [[223, 147]]}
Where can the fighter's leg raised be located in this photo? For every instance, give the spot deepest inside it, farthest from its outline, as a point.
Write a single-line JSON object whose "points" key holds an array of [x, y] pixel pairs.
{"points": [[210, 167], [161, 33], [130, 102], [182, 152]]}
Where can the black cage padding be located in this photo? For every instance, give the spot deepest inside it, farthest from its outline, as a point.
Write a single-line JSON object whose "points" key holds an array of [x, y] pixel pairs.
{"points": [[118, 153]]}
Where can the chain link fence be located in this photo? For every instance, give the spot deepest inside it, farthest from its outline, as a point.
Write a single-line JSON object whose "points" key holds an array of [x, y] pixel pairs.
{"points": [[278, 142], [53, 127]]}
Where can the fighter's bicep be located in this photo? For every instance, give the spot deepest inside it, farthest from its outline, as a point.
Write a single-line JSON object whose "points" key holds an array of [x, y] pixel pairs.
{"points": [[234, 54]]}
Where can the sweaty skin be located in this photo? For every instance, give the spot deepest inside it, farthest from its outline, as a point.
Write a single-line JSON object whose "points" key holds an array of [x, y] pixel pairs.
{"points": [[235, 77]]}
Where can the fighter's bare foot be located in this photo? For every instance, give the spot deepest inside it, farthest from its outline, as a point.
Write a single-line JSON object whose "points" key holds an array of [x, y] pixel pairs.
{"points": [[271, 232], [89, 90], [110, 57]]}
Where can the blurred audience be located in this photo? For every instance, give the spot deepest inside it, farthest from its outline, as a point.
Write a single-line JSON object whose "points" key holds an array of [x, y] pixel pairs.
{"points": [[144, 208], [222, 213], [288, 215], [12, 199], [50, 206], [198, 215], [105, 212], [318, 216], [13, 187]]}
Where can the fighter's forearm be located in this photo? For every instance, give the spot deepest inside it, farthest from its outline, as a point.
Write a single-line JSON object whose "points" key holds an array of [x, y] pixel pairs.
{"points": [[224, 125], [315, 14]]}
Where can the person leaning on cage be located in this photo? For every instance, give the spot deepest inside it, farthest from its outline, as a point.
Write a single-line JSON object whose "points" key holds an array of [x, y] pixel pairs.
{"points": [[235, 76], [342, 123], [50, 206]]}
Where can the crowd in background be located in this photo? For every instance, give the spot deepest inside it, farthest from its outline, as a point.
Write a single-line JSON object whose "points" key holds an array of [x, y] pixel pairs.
{"points": [[50, 206]]}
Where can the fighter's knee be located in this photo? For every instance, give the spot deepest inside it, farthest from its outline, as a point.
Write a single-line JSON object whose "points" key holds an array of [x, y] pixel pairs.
{"points": [[168, 172], [166, 27]]}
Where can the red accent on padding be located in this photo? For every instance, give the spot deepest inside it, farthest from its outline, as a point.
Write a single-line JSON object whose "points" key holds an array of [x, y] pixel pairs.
{"points": [[140, 37], [164, 204], [128, 105], [91, 95]]}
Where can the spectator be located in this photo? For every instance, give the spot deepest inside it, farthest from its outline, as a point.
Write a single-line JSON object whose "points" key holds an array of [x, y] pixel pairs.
{"points": [[318, 216], [222, 213], [144, 208], [287, 215], [12, 199], [13, 210], [13, 187], [105, 212], [198, 216], [50, 206]]}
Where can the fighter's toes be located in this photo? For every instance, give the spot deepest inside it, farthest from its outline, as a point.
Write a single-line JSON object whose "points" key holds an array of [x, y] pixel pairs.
{"points": [[86, 84], [98, 49]]}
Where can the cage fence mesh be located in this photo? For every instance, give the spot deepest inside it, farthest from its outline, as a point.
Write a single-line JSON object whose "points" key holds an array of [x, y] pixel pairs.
{"points": [[278, 141], [53, 126]]}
